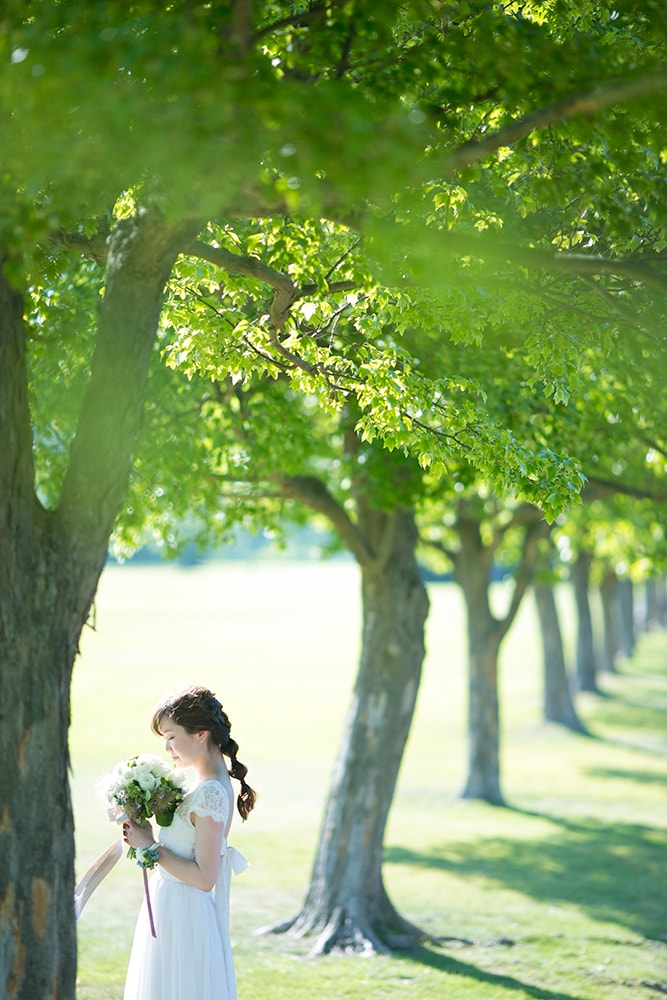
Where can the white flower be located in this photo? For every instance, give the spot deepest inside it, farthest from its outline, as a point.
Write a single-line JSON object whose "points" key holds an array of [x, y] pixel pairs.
{"points": [[139, 785], [146, 779], [176, 777], [146, 760], [121, 773]]}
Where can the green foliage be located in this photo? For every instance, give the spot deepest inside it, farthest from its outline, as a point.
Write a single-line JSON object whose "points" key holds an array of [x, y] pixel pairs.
{"points": [[61, 319], [459, 277], [323, 101]]}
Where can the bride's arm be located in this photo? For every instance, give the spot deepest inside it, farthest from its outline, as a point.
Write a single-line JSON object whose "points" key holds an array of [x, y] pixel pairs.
{"points": [[203, 871]]}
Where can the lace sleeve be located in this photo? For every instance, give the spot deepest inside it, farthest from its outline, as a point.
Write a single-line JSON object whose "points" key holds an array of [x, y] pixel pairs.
{"points": [[210, 799]]}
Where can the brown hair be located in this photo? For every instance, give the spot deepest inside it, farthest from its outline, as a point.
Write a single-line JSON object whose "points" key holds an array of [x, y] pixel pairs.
{"points": [[197, 710]]}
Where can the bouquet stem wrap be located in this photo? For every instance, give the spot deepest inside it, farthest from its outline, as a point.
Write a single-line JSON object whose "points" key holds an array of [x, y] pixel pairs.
{"points": [[148, 903]]}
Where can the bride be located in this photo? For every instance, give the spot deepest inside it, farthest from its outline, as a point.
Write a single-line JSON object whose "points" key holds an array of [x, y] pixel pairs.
{"points": [[190, 957]]}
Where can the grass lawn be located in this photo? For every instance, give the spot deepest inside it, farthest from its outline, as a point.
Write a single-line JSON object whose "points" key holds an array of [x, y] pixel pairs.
{"points": [[560, 896]]}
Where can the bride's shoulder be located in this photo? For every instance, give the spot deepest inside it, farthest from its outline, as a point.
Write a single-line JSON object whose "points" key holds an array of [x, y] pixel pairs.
{"points": [[209, 798]]}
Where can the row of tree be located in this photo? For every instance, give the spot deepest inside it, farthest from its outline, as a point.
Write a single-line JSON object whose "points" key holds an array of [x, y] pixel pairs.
{"points": [[381, 262]]}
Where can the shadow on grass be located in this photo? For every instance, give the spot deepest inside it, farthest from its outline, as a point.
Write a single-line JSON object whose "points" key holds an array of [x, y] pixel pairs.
{"points": [[634, 713], [454, 967], [613, 872], [639, 775], [648, 658], [619, 712]]}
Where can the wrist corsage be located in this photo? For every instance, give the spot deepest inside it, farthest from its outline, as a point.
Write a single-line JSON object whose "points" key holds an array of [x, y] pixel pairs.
{"points": [[147, 857]]}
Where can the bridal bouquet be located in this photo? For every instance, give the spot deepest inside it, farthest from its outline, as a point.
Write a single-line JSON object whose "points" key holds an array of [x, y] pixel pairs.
{"points": [[139, 788], [144, 786]]}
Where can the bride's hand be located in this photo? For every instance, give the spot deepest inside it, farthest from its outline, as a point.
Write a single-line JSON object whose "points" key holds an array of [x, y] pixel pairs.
{"points": [[137, 836]]}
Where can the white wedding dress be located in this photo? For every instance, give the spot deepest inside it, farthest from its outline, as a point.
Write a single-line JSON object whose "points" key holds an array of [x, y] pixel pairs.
{"points": [[191, 957]]}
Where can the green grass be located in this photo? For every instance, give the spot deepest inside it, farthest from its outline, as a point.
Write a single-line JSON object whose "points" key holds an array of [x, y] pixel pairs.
{"points": [[561, 896]]}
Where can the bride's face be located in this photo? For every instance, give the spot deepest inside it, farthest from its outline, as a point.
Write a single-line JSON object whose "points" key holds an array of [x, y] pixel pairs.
{"points": [[184, 748]]}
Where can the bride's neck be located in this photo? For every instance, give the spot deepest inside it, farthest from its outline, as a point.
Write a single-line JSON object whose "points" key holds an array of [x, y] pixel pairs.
{"points": [[211, 765]]}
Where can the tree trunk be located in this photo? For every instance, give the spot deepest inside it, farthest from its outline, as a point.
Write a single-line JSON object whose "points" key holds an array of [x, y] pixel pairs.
{"points": [[651, 613], [661, 600], [39, 639], [626, 617], [483, 779], [473, 573], [585, 657], [346, 904], [50, 562], [37, 941], [609, 600], [485, 633], [558, 703]]}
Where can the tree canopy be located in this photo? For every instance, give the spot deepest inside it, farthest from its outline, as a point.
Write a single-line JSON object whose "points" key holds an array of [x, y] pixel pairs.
{"points": [[336, 195], [359, 177]]}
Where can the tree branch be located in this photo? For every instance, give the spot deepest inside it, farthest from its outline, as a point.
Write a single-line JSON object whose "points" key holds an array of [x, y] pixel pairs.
{"points": [[387, 542], [298, 20], [93, 247], [582, 265], [587, 102], [524, 573], [577, 265], [141, 253], [241, 264], [637, 322], [597, 487], [441, 548], [242, 27], [286, 292], [333, 288], [312, 492]]}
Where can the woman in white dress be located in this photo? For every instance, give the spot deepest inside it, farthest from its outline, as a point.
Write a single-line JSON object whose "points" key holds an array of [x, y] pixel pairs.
{"points": [[190, 957]]}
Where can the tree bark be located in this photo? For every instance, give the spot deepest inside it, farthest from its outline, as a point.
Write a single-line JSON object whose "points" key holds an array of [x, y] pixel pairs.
{"points": [[558, 702], [485, 633], [585, 656], [661, 600], [651, 612], [626, 617], [609, 600], [346, 905], [37, 942], [473, 566], [50, 562]]}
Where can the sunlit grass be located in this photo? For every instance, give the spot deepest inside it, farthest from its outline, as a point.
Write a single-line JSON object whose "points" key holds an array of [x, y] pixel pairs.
{"points": [[560, 896]]}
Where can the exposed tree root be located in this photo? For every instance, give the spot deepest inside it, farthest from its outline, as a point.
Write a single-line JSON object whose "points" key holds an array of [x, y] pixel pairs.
{"points": [[478, 790], [352, 929]]}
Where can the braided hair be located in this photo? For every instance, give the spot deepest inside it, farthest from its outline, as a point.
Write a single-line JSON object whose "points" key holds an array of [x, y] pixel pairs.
{"points": [[197, 710]]}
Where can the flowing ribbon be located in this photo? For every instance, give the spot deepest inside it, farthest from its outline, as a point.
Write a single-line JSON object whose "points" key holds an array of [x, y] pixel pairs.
{"points": [[95, 874], [232, 862], [148, 903]]}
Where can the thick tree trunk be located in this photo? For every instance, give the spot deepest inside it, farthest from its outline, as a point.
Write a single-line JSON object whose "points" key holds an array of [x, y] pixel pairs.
{"points": [[37, 941], [626, 617], [585, 657], [50, 562], [347, 906], [38, 645], [558, 703], [609, 600]]}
